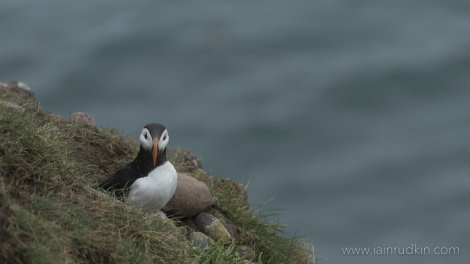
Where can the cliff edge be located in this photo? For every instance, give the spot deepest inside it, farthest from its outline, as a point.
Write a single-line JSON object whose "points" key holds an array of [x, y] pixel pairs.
{"points": [[51, 210]]}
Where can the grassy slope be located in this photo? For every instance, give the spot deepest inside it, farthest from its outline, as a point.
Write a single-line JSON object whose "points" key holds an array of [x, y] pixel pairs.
{"points": [[47, 215]]}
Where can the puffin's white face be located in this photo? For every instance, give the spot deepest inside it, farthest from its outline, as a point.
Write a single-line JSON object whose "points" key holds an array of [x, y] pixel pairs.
{"points": [[147, 142], [164, 139]]}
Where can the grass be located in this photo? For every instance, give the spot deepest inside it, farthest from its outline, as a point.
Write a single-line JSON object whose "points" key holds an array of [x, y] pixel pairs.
{"points": [[219, 253], [49, 213]]}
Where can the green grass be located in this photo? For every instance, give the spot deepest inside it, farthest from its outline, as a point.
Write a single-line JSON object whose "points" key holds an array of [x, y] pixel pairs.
{"points": [[48, 215], [220, 254]]}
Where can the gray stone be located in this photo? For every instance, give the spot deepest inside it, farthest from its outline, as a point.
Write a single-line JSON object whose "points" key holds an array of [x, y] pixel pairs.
{"points": [[55, 117], [11, 105], [246, 252], [82, 118], [17, 93], [200, 239], [166, 222], [228, 224], [213, 227]]}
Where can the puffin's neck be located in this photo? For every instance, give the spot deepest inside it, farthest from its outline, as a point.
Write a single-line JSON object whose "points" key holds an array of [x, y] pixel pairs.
{"points": [[161, 158], [143, 162]]}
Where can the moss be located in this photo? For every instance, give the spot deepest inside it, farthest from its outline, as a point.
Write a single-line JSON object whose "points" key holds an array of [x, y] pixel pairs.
{"points": [[49, 212]]}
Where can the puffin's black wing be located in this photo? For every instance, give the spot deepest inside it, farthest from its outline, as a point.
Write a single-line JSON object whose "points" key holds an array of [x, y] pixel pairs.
{"points": [[120, 181]]}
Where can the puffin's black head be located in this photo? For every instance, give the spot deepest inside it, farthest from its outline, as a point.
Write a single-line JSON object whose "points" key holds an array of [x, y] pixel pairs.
{"points": [[154, 138]]}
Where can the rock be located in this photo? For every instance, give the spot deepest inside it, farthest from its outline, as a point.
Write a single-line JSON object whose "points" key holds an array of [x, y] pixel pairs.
{"points": [[165, 221], [7, 104], [229, 225], [55, 117], [191, 197], [246, 252], [200, 239], [82, 118], [17, 93], [213, 227], [161, 216]]}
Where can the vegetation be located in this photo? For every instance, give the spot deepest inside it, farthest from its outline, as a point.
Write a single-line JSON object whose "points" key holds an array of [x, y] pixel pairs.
{"points": [[51, 213]]}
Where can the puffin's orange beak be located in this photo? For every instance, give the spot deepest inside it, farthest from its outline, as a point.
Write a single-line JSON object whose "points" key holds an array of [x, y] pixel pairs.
{"points": [[155, 151]]}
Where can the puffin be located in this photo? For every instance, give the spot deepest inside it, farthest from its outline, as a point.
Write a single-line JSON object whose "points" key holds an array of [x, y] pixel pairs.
{"points": [[149, 181]]}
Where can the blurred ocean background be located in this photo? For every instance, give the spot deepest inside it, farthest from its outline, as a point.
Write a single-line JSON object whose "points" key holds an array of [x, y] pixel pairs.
{"points": [[349, 120]]}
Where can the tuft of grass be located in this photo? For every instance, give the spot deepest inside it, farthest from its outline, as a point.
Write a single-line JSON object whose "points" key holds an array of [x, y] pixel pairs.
{"points": [[34, 154], [220, 254], [255, 230], [49, 213]]}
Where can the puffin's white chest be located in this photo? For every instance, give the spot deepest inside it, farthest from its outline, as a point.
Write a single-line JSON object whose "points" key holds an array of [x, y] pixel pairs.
{"points": [[153, 192]]}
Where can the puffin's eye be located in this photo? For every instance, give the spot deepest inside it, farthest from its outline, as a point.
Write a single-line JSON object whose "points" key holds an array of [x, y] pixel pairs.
{"points": [[164, 137], [145, 136]]}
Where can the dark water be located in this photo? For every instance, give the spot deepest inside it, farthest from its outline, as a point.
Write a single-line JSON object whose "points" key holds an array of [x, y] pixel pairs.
{"points": [[348, 119]]}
